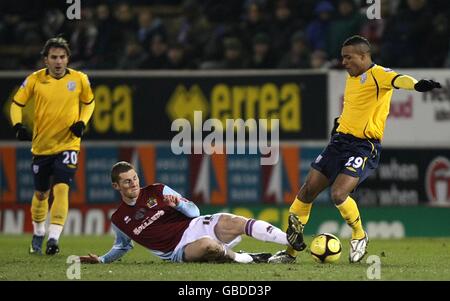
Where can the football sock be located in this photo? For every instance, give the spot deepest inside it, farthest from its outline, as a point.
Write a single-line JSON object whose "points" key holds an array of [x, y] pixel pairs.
{"points": [[238, 257], [60, 206], [301, 209], [264, 231], [54, 231], [349, 211], [39, 228], [39, 209], [242, 257]]}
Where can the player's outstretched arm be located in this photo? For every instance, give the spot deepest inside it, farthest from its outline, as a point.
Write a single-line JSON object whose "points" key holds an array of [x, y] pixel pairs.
{"points": [[409, 83], [425, 85], [121, 246], [91, 258]]}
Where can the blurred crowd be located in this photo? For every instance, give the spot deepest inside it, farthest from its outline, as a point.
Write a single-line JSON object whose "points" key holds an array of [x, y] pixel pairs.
{"points": [[231, 34]]}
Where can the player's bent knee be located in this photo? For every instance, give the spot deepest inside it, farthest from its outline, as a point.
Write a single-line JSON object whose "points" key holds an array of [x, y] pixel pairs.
{"points": [[338, 196], [42, 195], [213, 247], [205, 243], [212, 250]]}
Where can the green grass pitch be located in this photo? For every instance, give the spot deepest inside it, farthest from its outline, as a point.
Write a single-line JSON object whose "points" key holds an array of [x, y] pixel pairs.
{"points": [[404, 259]]}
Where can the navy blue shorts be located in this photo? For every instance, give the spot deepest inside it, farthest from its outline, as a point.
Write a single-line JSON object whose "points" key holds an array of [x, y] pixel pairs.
{"points": [[60, 168], [349, 155]]}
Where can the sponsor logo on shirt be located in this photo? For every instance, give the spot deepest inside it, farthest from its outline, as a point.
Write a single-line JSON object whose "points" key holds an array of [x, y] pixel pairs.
{"points": [[147, 222]]}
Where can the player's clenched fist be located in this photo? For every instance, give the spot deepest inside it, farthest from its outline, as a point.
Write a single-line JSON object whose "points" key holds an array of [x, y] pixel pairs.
{"points": [[171, 200]]}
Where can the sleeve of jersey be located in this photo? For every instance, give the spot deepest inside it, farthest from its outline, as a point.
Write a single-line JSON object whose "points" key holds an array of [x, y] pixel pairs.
{"points": [[86, 94], [15, 113], [185, 206], [86, 111], [404, 82], [385, 77], [121, 246], [188, 208], [25, 91]]}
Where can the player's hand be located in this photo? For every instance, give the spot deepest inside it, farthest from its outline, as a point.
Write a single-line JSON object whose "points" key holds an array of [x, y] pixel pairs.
{"points": [[425, 85], [78, 128], [91, 258], [22, 133], [335, 126], [171, 200]]}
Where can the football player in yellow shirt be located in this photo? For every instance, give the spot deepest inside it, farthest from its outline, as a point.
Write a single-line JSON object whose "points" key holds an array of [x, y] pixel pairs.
{"points": [[354, 149], [64, 103]]}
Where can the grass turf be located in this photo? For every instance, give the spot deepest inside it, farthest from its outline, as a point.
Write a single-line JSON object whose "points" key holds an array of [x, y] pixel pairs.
{"points": [[404, 259]]}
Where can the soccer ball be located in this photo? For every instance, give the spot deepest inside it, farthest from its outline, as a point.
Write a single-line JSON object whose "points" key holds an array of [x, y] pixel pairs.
{"points": [[326, 247]]}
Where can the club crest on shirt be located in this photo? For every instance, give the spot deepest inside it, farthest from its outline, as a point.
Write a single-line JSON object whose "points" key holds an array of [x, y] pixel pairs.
{"points": [[139, 214], [151, 202], [363, 78], [71, 85], [35, 168]]}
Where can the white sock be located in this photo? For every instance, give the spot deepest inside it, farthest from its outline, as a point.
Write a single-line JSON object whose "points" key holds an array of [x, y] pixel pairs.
{"points": [[264, 231], [54, 231], [242, 258], [39, 228], [238, 257]]}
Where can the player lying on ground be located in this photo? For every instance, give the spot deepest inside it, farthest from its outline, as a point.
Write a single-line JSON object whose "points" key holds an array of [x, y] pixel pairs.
{"points": [[167, 224]]}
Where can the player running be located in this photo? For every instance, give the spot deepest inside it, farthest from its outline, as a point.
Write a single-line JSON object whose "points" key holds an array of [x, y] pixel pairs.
{"points": [[354, 150], [63, 105]]}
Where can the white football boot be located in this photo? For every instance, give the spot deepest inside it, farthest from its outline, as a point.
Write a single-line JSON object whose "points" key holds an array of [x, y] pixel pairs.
{"points": [[281, 257], [358, 248]]}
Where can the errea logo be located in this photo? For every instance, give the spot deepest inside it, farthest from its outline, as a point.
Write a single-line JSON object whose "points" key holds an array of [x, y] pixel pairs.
{"points": [[183, 102]]}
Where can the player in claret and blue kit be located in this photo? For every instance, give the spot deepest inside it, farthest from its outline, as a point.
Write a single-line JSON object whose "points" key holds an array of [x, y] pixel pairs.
{"points": [[171, 227]]}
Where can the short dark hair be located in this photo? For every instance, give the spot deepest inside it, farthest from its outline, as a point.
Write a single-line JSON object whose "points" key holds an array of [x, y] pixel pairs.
{"points": [[58, 42], [118, 168], [357, 40]]}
